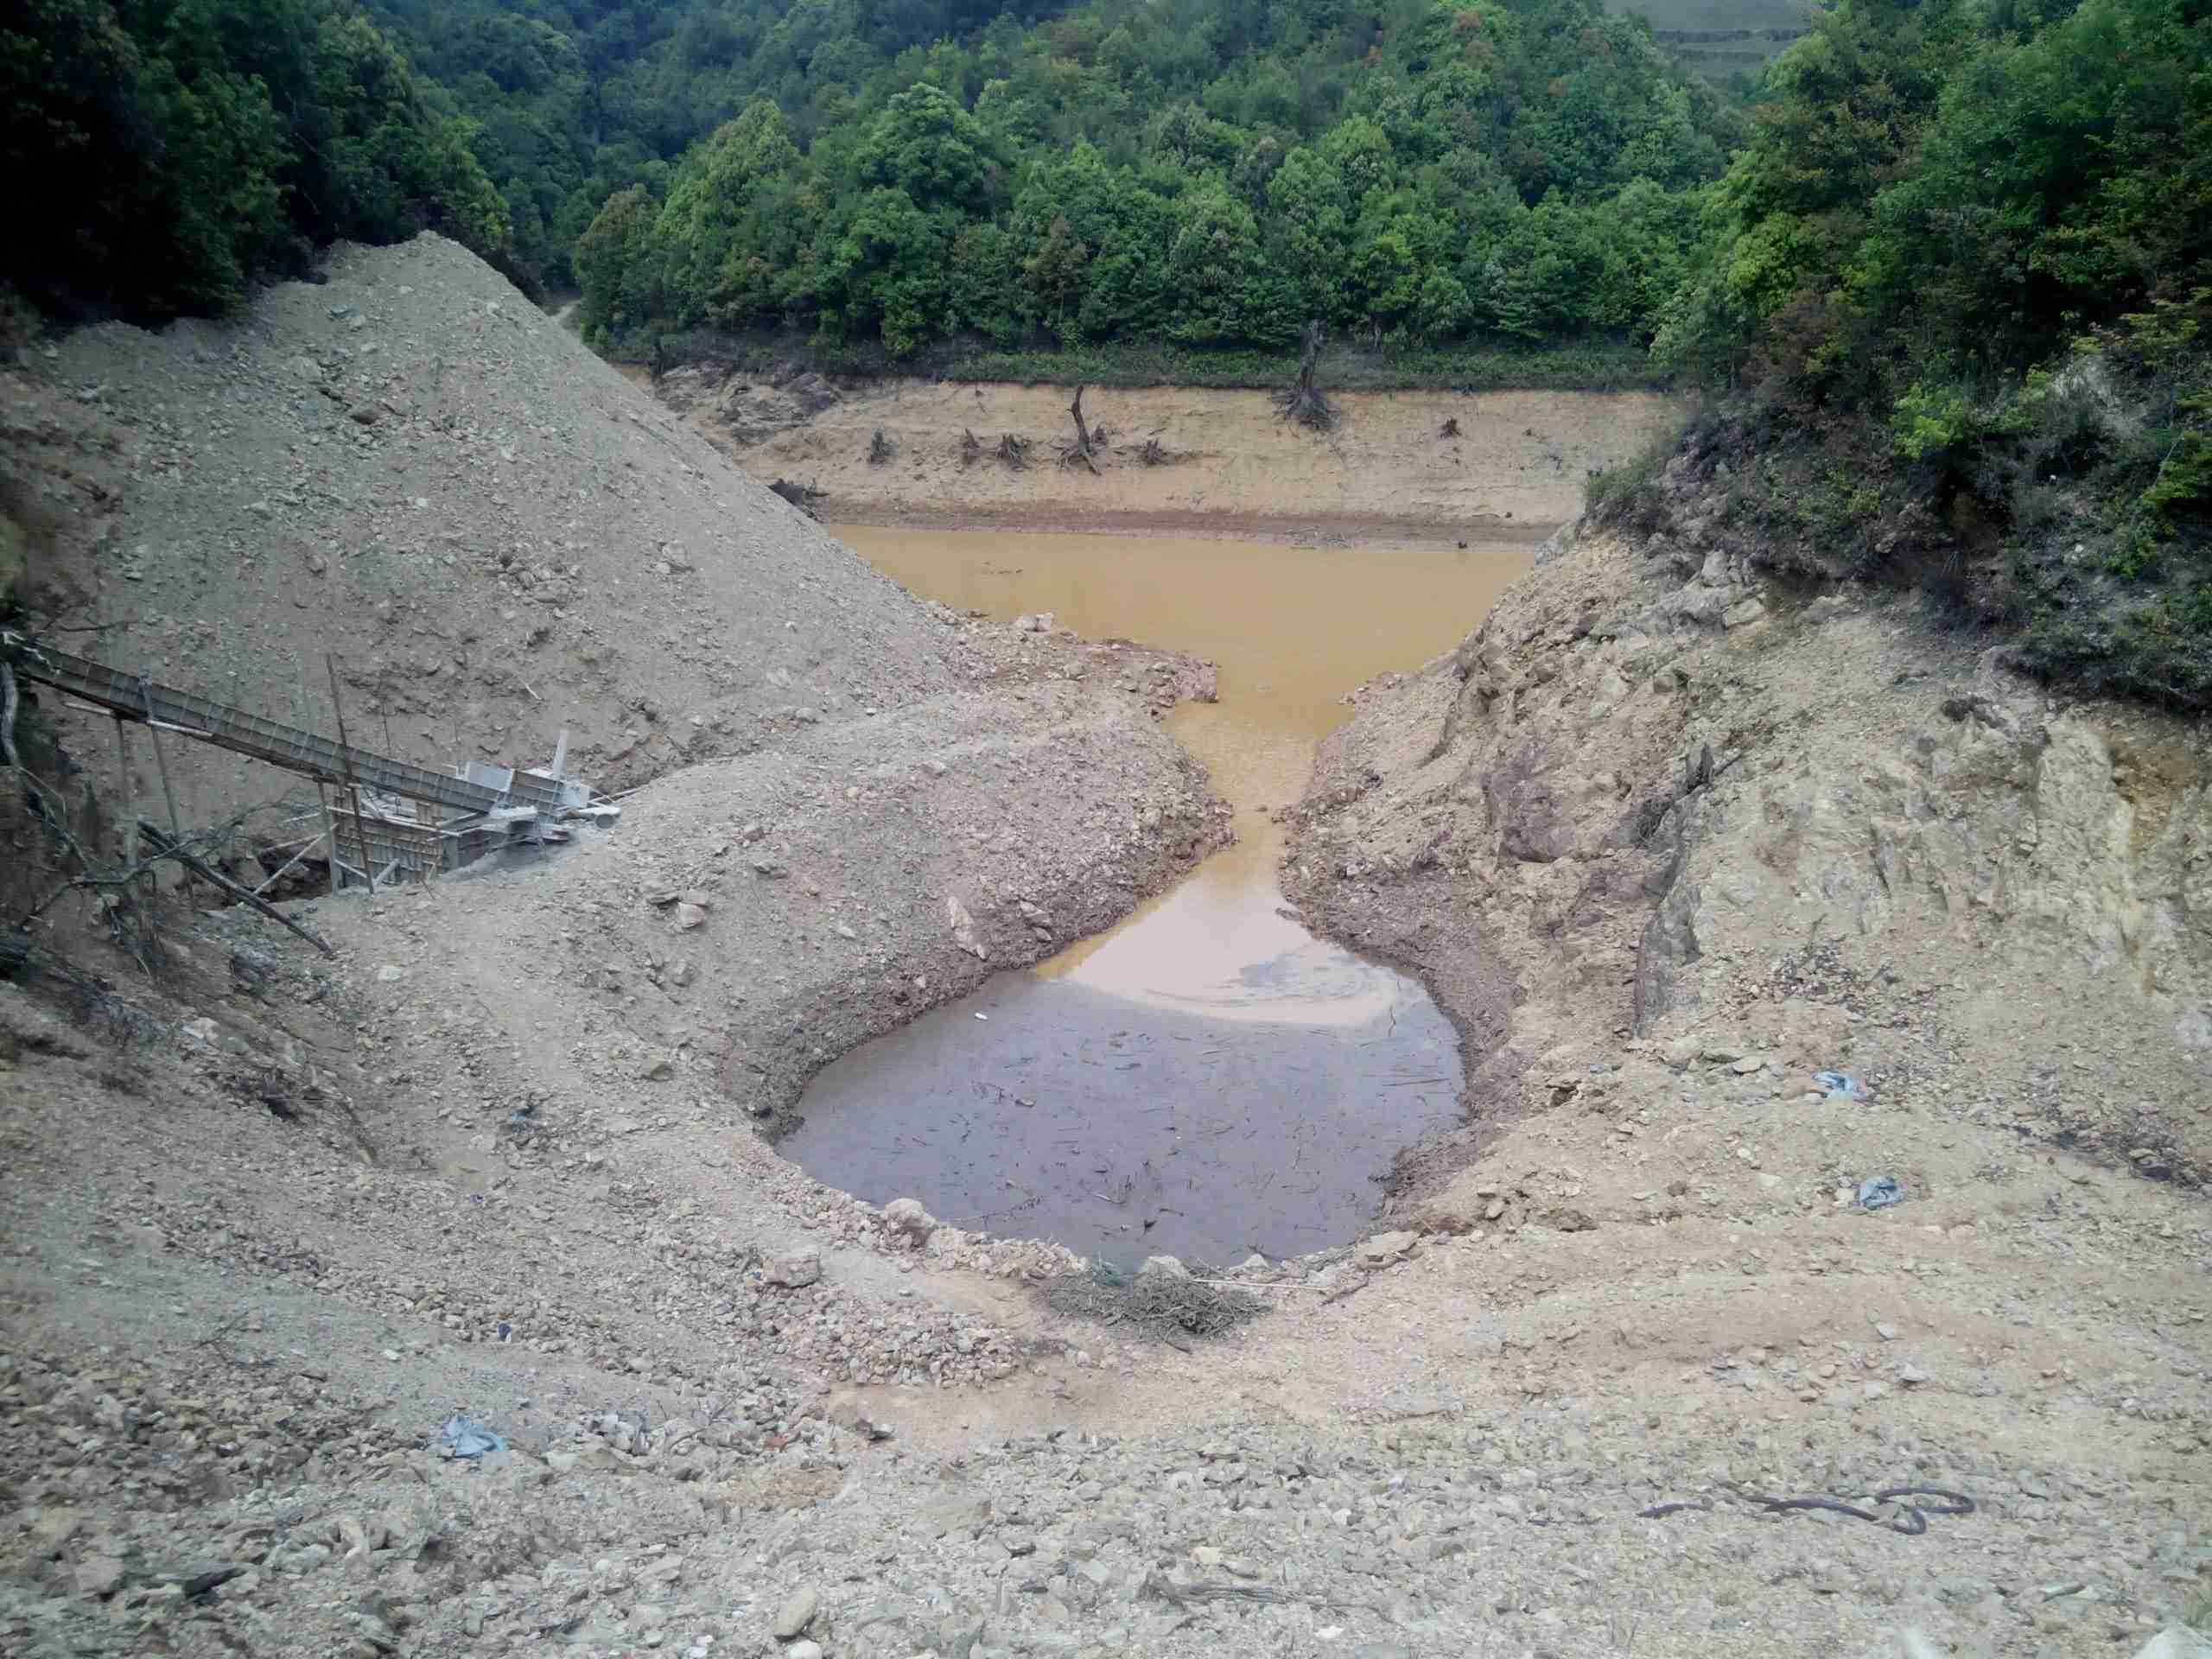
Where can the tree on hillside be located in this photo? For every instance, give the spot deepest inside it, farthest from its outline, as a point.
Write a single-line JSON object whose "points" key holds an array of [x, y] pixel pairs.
{"points": [[176, 151], [732, 222], [926, 145], [618, 262]]}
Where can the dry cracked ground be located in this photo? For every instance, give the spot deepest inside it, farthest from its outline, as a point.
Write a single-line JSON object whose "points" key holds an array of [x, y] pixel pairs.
{"points": [[284, 1231]]}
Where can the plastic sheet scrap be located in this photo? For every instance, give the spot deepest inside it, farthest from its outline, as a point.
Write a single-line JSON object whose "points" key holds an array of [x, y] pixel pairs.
{"points": [[1879, 1192], [1840, 1085], [466, 1439]]}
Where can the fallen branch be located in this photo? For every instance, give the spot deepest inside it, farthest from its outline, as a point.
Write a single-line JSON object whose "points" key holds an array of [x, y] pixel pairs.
{"points": [[305, 847], [1700, 773], [165, 848], [1167, 1589]]}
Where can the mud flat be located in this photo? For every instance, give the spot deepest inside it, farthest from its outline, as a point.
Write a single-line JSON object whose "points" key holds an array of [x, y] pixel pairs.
{"points": [[1178, 460]]}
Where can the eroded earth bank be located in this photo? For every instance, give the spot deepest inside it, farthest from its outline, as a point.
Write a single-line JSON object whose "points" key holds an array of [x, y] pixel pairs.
{"points": [[1172, 460], [274, 1218]]}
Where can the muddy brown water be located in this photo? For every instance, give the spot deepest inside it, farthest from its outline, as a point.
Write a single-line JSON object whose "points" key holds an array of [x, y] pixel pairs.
{"points": [[1207, 1079]]}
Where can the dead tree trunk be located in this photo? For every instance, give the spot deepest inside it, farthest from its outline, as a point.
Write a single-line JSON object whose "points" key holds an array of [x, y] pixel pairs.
{"points": [[1304, 403], [1082, 450], [971, 448]]}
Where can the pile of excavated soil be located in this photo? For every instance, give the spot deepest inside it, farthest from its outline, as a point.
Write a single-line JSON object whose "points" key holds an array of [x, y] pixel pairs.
{"points": [[407, 466], [1223, 462], [753, 918]]}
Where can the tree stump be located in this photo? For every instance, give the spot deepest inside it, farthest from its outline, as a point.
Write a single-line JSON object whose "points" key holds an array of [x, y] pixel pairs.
{"points": [[1305, 402]]}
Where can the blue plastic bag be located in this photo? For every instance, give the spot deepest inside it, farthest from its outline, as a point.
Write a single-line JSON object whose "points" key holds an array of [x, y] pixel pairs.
{"points": [[1840, 1083], [466, 1439], [1879, 1192]]}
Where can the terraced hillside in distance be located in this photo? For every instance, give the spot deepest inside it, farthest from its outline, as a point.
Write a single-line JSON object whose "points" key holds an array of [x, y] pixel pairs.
{"points": [[1720, 38]]}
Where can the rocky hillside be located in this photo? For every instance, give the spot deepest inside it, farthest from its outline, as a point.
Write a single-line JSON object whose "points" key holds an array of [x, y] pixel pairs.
{"points": [[410, 468], [1660, 815]]}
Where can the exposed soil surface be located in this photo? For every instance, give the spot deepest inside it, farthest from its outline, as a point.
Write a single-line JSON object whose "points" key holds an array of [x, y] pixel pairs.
{"points": [[272, 1223], [1226, 462]]}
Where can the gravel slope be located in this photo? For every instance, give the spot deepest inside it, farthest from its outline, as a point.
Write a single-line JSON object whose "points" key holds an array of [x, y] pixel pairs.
{"points": [[494, 532]]}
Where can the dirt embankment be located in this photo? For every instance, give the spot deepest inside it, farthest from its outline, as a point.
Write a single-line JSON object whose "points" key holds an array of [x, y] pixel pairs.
{"points": [[494, 538], [1172, 458]]}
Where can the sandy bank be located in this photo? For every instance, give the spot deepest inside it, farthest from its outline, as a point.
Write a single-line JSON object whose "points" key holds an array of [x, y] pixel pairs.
{"points": [[1225, 462]]}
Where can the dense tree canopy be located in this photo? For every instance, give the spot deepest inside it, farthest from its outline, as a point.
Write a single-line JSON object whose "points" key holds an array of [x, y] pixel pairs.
{"points": [[1955, 183], [1205, 171], [165, 153], [1958, 187], [1962, 280]]}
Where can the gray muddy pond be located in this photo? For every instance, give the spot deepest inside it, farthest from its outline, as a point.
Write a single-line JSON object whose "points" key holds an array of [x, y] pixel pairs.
{"points": [[1208, 1079]]}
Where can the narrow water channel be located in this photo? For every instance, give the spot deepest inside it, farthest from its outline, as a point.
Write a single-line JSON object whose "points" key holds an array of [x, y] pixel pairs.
{"points": [[1209, 1079]]}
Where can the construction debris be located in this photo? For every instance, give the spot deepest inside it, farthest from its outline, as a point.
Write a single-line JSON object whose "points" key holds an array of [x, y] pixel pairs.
{"points": [[392, 822]]}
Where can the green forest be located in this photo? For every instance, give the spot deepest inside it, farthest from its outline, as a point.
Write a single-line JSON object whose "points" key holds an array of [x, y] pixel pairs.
{"points": [[1195, 171], [1200, 172], [1987, 176], [1956, 294], [165, 155], [1962, 185]]}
